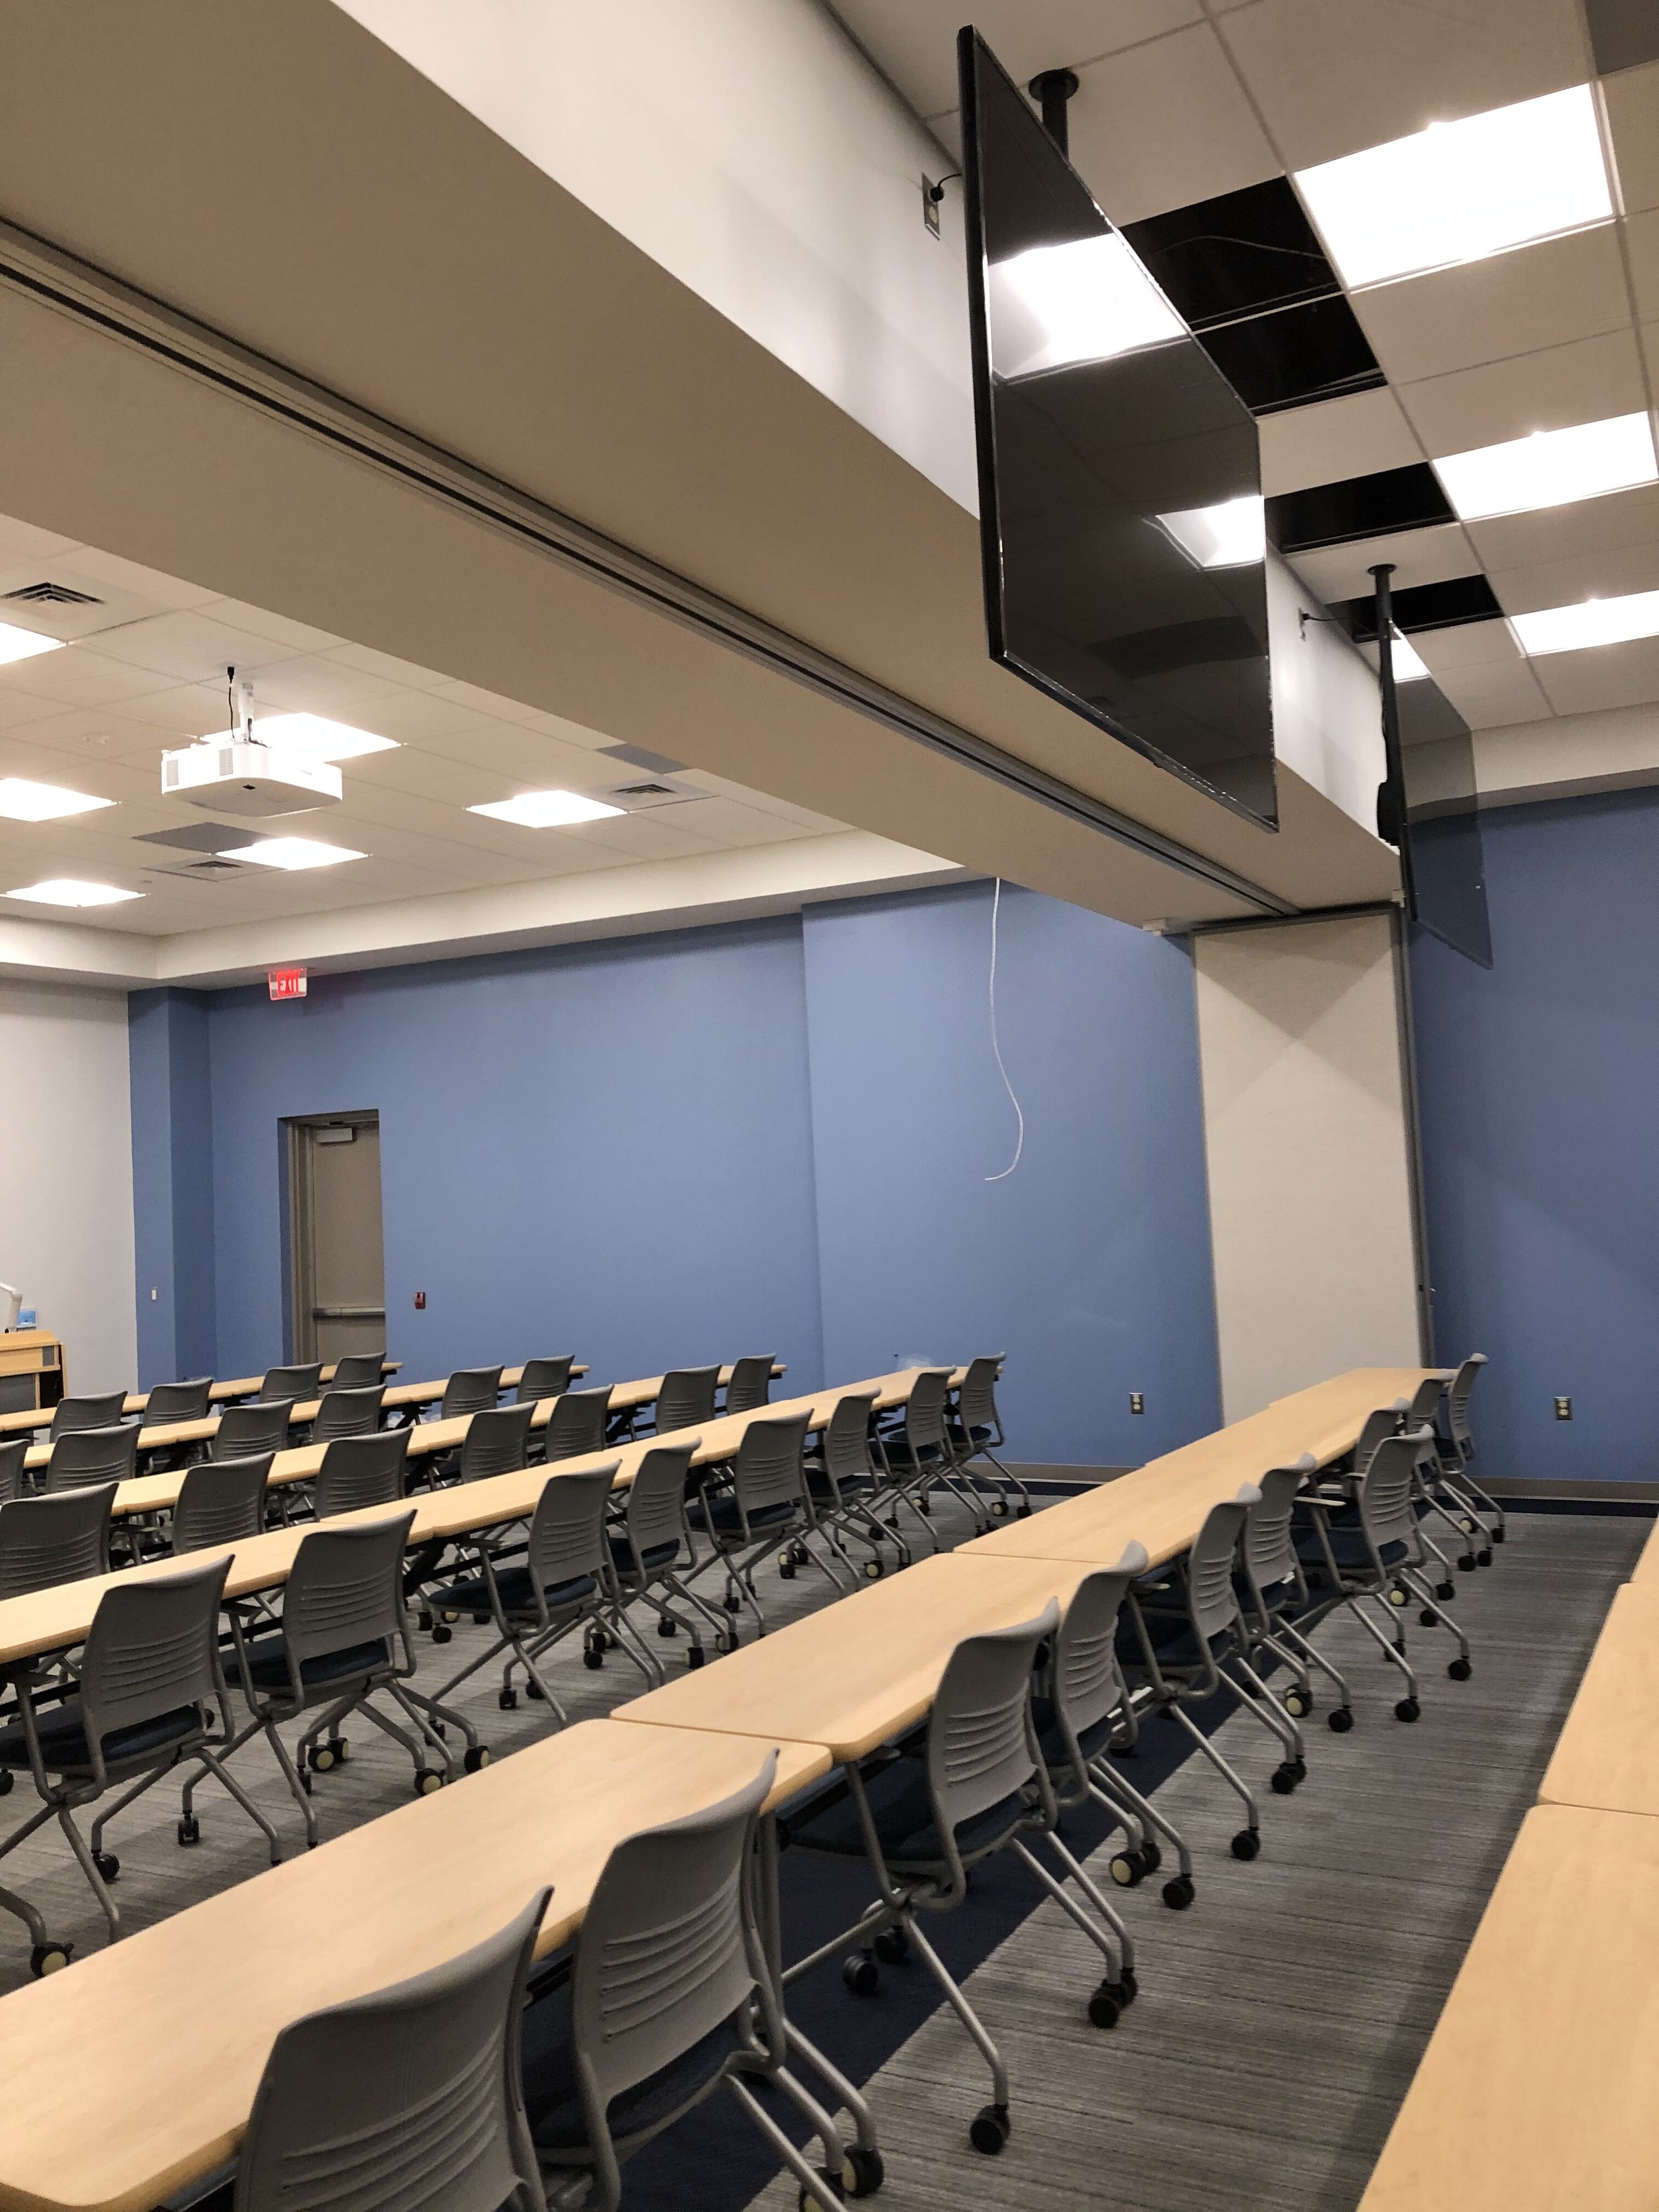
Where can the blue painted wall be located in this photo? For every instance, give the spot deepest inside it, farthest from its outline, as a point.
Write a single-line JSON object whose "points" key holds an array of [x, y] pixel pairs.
{"points": [[1539, 1083], [168, 1054]]}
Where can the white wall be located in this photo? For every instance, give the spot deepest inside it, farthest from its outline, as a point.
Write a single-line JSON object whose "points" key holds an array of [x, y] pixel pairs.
{"points": [[66, 1235], [750, 148], [1327, 712], [1311, 1205]]}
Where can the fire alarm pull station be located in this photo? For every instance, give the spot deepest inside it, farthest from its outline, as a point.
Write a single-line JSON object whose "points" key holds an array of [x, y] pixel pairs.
{"points": [[420, 1301]]}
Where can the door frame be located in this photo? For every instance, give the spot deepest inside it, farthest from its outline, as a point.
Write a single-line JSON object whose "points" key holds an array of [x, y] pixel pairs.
{"points": [[300, 1324]]}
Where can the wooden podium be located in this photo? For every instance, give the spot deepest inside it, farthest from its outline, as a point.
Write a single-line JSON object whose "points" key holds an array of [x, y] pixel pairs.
{"points": [[31, 1369]]}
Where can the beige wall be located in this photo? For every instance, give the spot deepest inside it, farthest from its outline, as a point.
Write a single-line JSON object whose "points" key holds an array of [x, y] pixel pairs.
{"points": [[1311, 1193]]}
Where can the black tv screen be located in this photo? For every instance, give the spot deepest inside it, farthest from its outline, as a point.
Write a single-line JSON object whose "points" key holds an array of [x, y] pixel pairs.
{"points": [[1120, 515]]}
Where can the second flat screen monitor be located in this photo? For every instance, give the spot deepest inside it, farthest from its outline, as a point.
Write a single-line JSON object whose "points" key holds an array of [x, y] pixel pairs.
{"points": [[1120, 474]]}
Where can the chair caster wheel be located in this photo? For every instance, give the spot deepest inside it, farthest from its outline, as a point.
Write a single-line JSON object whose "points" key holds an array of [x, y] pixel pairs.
{"points": [[861, 1974], [426, 1780], [442, 1635], [1460, 1669], [1283, 1779], [1128, 1987], [1128, 1868], [873, 1570], [695, 1656], [727, 1640], [1341, 1719], [593, 1657], [1247, 1845], [1022, 1512], [508, 1701], [6, 1780], [107, 1864], [1445, 1589], [862, 2171], [786, 1569], [1398, 1596], [990, 2129], [1152, 1858], [999, 1509], [831, 2182], [1498, 1534], [475, 1758], [1483, 1557], [667, 1627], [1427, 1619], [190, 1831], [1104, 2007], [320, 1758], [1179, 1893], [1298, 1705], [892, 1945], [1408, 1710], [533, 1690], [50, 1958], [1466, 1563]]}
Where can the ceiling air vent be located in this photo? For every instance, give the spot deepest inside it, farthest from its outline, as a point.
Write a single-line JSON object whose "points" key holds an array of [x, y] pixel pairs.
{"points": [[52, 595], [645, 791], [195, 870]]}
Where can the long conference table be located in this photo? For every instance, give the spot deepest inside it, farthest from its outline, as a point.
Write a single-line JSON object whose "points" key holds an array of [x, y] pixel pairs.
{"points": [[201, 1996], [221, 1394]]}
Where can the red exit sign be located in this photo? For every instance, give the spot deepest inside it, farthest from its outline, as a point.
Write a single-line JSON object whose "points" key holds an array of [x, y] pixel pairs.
{"points": [[286, 982]]}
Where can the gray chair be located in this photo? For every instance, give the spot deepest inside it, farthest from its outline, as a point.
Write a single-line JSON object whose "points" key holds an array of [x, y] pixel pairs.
{"points": [[686, 1400], [1277, 1594], [221, 1502], [470, 1390], [975, 1428], [361, 1471], [761, 1511], [1482, 1514], [246, 1431], [102, 1412], [410, 2096], [653, 1555], [150, 1692], [358, 1370], [178, 1401], [576, 1425], [914, 1446], [979, 1786], [843, 1481], [496, 1441], [13, 1451], [347, 1413], [751, 1385], [544, 1378], [88, 1456], [303, 1382], [670, 1999], [62, 1538]]}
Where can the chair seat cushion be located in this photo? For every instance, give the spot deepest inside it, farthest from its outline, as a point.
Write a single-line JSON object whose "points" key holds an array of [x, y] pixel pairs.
{"points": [[267, 1664], [728, 1520], [903, 1814], [655, 1555], [517, 1596], [552, 2104], [64, 1743], [817, 1481], [1092, 1740]]}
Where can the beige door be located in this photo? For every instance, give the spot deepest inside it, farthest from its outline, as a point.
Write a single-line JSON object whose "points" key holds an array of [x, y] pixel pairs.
{"points": [[339, 1289]]}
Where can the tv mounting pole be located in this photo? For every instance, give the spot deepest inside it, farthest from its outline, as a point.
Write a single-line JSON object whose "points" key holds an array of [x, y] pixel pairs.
{"points": [[1053, 89]]}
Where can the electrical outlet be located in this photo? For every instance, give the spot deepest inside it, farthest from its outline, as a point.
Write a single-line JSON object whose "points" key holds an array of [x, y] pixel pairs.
{"points": [[1564, 1409], [1137, 1402]]}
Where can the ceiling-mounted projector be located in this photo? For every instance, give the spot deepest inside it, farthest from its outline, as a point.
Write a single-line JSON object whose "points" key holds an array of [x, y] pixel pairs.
{"points": [[237, 775]]}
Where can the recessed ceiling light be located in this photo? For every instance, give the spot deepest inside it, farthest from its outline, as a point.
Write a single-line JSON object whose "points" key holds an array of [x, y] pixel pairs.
{"points": [[311, 737], [1550, 468], [1459, 192], [64, 890], [547, 810], [1231, 536], [1088, 301], [23, 644], [1592, 622], [23, 801], [290, 853]]}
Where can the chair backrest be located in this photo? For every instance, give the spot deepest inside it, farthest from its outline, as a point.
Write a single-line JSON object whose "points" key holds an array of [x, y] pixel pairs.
{"points": [[976, 1397], [1457, 1402], [654, 1513], [102, 1412], [751, 1382], [924, 1409], [346, 1586], [668, 1949], [1424, 1402], [567, 1530], [576, 1424], [846, 1439], [362, 1471], [347, 1413], [178, 1401], [295, 1382], [13, 1453], [470, 1390], [1267, 1551], [220, 1501], [1087, 1686], [86, 1456], [1386, 1512], [544, 1378], [981, 1746], [686, 1400], [153, 1648], [1211, 1599], [495, 1442], [1384, 1422], [59, 1539], [244, 1430], [356, 1370], [404, 2101], [767, 1470]]}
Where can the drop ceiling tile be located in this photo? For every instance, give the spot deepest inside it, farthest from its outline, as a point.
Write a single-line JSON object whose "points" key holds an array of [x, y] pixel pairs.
{"points": [[1465, 646], [175, 714], [21, 541], [1546, 294], [1558, 533], [523, 760], [1550, 390], [1421, 556], [1500, 692], [18, 706], [300, 637], [1649, 336], [1607, 573], [914, 46], [192, 646], [1164, 124], [481, 702], [1333, 77], [1632, 102], [310, 684], [1352, 436], [78, 677], [394, 674], [130, 577], [1641, 239], [1601, 675]]}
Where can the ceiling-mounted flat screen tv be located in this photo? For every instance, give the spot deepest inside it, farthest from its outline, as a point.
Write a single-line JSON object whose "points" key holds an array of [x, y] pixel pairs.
{"points": [[1120, 515]]}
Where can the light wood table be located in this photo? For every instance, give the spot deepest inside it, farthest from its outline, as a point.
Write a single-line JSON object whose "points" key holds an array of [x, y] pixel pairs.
{"points": [[1606, 1755], [1537, 2092], [186, 2011], [244, 1386], [1647, 1567]]}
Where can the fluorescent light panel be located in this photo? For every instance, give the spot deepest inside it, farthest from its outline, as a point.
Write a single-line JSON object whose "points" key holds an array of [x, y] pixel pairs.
{"points": [[1231, 536], [1088, 301], [310, 737], [291, 852], [1459, 192], [65, 890], [547, 810], [23, 644], [1550, 468], [1592, 622], [23, 801]]}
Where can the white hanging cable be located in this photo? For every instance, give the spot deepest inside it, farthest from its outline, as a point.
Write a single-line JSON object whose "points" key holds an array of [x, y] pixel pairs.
{"points": [[1019, 1145]]}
